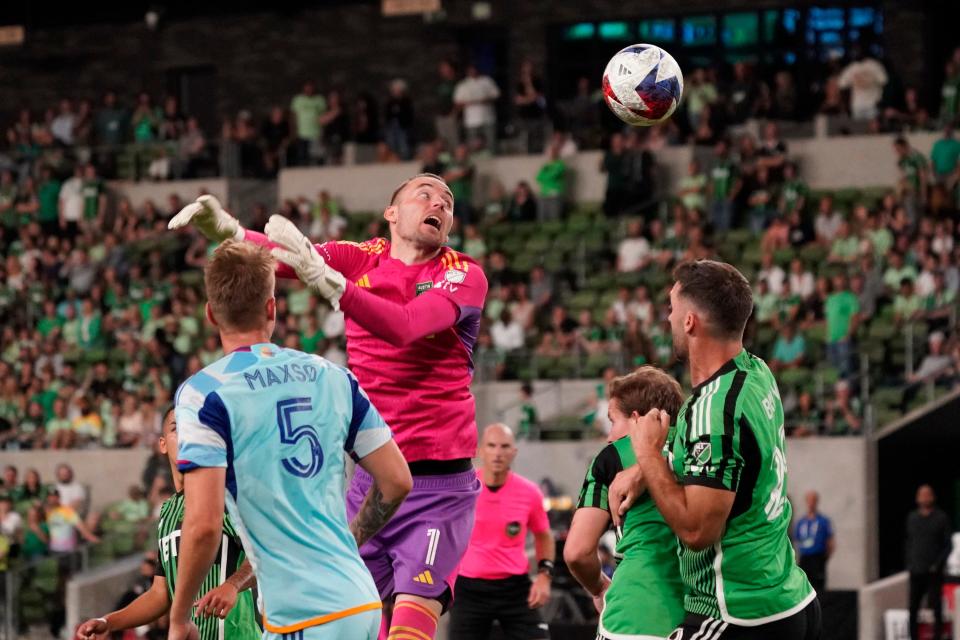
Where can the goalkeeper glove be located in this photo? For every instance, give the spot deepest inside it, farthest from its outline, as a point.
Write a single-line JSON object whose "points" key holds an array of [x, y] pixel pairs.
{"points": [[296, 250], [209, 218]]}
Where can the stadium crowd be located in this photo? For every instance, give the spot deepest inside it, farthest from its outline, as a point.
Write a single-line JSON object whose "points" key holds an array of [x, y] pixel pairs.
{"points": [[101, 302], [155, 138]]}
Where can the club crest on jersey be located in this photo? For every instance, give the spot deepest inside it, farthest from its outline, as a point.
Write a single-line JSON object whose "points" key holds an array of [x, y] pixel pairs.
{"points": [[701, 452], [423, 287], [455, 276], [513, 528]]}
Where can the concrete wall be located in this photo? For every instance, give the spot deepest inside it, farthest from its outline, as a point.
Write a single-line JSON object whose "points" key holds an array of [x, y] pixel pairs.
{"points": [[107, 474], [140, 192], [826, 163], [93, 593], [500, 401], [834, 467]]}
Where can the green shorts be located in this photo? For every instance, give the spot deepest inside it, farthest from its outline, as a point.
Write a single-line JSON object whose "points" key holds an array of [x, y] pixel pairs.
{"points": [[645, 601]]}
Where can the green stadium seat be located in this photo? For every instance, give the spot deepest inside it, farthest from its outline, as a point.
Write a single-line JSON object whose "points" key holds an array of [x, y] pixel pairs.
{"points": [[797, 378], [739, 236], [583, 300], [888, 397], [538, 244], [827, 375], [783, 256], [814, 255], [555, 261]]}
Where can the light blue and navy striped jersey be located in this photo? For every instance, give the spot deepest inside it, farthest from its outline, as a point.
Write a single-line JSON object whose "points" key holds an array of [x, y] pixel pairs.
{"points": [[279, 421]]}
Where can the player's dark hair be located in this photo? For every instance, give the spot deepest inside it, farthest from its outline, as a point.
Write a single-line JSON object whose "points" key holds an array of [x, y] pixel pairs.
{"points": [[720, 292], [645, 389]]}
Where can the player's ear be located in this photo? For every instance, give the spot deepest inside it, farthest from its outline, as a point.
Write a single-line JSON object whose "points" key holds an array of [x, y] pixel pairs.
{"points": [[162, 442], [390, 213], [271, 309], [209, 310]]}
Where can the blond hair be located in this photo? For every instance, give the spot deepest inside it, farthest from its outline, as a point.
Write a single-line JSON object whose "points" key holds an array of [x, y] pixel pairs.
{"points": [[645, 389], [239, 280]]}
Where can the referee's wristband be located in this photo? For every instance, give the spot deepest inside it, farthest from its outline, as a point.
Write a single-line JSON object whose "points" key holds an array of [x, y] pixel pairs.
{"points": [[546, 566]]}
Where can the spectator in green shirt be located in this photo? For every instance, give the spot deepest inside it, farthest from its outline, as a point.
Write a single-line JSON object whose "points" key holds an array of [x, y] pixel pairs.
{"points": [[528, 411], [725, 185], [307, 107], [145, 119], [841, 310], [71, 327], [913, 177], [60, 432], [693, 188], [36, 535], [880, 237], [48, 197], [133, 511], [50, 320], [907, 305], [459, 177], [94, 198], [844, 415], [89, 325], [897, 272], [944, 155], [845, 248], [950, 93], [793, 192], [765, 303], [552, 179], [311, 335]]}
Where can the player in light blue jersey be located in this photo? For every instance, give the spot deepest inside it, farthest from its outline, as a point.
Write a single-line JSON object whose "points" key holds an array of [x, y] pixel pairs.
{"points": [[264, 430]]}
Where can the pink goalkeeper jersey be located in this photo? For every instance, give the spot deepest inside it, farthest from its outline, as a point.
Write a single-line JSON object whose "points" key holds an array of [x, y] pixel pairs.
{"points": [[498, 544], [411, 330]]}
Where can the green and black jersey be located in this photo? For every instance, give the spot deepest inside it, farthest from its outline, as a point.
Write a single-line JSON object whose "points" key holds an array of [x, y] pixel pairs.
{"points": [[646, 596], [730, 436], [241, 622]]}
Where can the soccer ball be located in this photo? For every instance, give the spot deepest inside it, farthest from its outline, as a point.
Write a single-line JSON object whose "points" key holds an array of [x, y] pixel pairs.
{"points": [[642, 85]]}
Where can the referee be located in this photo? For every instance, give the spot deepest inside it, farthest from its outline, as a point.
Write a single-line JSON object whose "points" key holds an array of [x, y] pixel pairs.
{"points": [[494, 583]]}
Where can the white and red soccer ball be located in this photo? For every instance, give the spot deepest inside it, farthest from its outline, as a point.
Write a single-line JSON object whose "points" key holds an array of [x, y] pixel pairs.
{"points": [[642, 84]]}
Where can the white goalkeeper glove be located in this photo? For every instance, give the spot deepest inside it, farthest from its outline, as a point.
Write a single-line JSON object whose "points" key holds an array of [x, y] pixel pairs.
{"points": [[296, 250], [211, 219]]}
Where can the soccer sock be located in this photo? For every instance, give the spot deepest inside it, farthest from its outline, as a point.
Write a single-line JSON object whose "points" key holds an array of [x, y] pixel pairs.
{"points": [[412, 621]]}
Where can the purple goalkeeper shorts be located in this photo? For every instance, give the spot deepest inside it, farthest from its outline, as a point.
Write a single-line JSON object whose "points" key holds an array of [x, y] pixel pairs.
{"points": [[418, 552]]}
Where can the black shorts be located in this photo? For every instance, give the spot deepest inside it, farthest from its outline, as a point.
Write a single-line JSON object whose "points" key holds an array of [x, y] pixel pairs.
{"points": [[803, 625], [477, 603]]}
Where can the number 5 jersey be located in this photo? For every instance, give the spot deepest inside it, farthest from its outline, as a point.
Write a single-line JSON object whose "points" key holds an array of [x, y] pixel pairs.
{"points": [[278, 420]]}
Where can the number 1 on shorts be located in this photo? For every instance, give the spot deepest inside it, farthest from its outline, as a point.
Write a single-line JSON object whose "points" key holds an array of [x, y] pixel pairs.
{"points": [[434, 536]]}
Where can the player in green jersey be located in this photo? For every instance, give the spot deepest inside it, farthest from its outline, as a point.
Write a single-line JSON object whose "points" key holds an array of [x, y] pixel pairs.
{"points": [[729, 508], [225, 609], [645, 599]]}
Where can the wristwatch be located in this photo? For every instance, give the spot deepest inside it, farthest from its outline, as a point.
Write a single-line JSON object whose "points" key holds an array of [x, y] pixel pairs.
{"points": [[546, 566]]}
